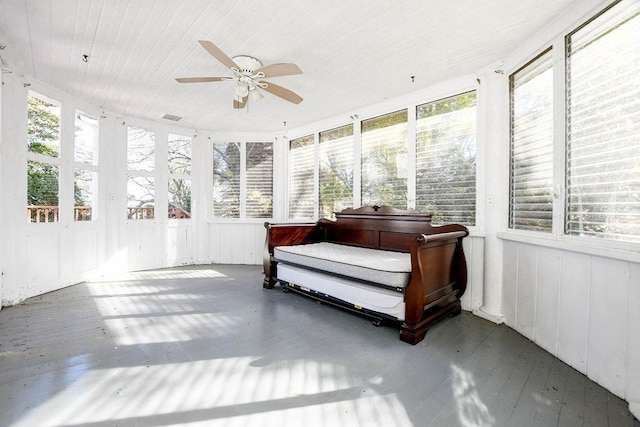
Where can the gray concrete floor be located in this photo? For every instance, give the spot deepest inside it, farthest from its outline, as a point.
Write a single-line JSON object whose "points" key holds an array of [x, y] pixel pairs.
{"points": [[207, 346]]}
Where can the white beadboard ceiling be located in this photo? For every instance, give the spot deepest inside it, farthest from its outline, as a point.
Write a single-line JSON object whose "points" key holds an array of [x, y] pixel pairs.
{"points": [[352, 53]]}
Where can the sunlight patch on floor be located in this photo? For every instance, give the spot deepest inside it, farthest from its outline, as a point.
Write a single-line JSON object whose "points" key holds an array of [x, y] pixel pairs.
{"points": [[164, 274], [472, 412], [227, 392]]}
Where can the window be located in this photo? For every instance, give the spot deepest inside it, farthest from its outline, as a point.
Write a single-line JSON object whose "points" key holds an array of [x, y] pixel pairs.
{"points": [[603, 124], [226, 179], [259, 180], [85, 185], [243, 180], [140, 178], [179, 162], [446, 159], [301, 178], [598, 192], [336, 170], [531, 183], [43, 167], [384, 160]]}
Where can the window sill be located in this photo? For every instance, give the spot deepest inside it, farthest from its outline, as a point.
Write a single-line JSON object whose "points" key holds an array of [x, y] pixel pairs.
{"points": [[623, 251], [260, 221]]}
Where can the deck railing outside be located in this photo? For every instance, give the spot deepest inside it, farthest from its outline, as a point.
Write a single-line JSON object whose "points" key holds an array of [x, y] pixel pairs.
{"points": [[39, 213]]}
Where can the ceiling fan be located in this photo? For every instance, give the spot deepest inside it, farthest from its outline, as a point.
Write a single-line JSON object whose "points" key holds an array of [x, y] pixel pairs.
{"points": [[248, 73]]}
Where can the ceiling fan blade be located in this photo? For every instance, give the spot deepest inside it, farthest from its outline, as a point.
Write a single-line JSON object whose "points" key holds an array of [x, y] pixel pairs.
{"points": [[240, 104], [276, 70], [218, 54], [200, 79], [283, 93]]}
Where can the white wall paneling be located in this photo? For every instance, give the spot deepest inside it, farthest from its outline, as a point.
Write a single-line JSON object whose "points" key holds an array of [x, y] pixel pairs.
{"points": [[85, 244], [474, 253], [236, 243], [632, 362], [607, 334], [179, 245], [581, 308], [43, 265], [144, 245], [546, 299]]}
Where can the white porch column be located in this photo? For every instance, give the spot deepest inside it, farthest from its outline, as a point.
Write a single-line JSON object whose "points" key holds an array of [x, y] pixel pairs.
{"points": [[493, 134]]}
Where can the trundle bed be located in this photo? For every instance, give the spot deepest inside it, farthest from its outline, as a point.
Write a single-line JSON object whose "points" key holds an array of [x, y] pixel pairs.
{"points": [[388, 264]]}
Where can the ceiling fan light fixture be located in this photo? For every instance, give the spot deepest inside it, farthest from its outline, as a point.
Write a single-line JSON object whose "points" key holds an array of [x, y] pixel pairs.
{"points": [[242, 90], [256, 95]]}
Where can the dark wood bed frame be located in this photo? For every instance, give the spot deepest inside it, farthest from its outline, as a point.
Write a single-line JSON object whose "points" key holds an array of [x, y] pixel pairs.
{"points": [[438, 266]]}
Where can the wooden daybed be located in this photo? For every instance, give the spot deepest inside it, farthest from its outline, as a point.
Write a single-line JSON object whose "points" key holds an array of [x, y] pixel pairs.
{"points": [[387, 264]]}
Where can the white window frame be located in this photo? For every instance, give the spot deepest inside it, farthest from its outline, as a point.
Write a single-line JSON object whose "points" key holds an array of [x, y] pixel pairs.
{"points": [[50, 160], [92, 167], [622, 250], [243, 183]]}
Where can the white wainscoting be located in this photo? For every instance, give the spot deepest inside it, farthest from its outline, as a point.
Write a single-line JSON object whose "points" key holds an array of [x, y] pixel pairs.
{"points": [[43, 262], [144, 245], [236, 242], [581, 308], [180, 244], [85, 253], [474, 253]]}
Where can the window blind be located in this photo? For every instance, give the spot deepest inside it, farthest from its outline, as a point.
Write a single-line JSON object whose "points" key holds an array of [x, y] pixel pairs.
{"points": [[384, 160], [226, 179], [603, 125], [259, 180], [336, 170], [301, 178], [446, 159], [531, 180]]}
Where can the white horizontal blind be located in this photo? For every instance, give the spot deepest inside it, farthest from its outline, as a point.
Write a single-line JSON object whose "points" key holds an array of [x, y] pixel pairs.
{"points": [[531, 183], [226, 180], [301, 178], [336, 170], [384, 160], [446, 159], [259, 180], [603, 125]]}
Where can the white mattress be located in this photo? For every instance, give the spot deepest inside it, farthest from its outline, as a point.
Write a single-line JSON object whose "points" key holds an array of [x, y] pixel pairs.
{"points": [[359, 294], [387, 268]]}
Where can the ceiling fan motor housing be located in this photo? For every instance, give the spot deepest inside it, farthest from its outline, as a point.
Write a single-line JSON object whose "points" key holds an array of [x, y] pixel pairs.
{"points": [[247, 64]]}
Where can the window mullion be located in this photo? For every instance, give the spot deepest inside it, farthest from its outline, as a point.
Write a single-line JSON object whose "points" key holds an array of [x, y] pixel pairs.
{"points": [[357, 162], [559, 136], [411, 156], [243, 179], [316, 175]]}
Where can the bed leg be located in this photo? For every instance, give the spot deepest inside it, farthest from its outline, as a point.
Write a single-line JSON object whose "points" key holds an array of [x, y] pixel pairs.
{"points": [[411, 334], [456, 311], [268, 283]]}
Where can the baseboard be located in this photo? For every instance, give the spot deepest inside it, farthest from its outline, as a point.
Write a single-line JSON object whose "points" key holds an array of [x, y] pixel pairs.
{"points": [[634, 408], [495, 318]]}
